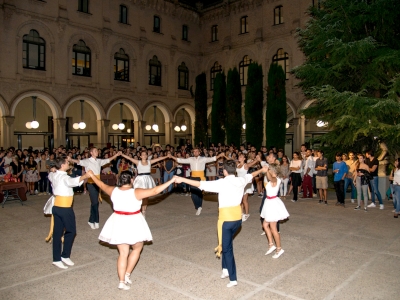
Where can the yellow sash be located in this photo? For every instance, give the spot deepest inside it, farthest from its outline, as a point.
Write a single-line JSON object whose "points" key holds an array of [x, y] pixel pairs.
{"points": [[60, 201], [231, 213], [90, 180], [199, 174]]}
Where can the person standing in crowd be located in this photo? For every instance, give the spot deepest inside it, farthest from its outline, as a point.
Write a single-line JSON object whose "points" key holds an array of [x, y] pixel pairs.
{"points": [[197, 166], [230, 191], [49, 164], [94, 164], [63, 214], [396, 187], [43, 173], [373, 164], [169, 171], [362, 178], [7, 161], [32, 174], [17, 168], [340, 172], [285, 172], [321, 166], [296, 167], [144, 180], [308, 174], [126, 227], [348, 180]]}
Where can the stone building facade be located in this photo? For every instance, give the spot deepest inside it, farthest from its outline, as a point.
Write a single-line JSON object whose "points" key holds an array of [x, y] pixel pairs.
{"points": [[134, 62]]}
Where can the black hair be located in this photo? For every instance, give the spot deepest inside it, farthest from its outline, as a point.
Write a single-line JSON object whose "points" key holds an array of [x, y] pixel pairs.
{"points": [[230, 167], [125, 178]]}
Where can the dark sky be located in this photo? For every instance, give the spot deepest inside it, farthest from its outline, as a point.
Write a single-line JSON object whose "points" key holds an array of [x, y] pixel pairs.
{"points": [[206, 3]]}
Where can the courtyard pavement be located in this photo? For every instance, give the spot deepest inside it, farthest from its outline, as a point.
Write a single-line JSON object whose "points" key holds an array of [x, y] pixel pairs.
{"points": [[330, 253]]}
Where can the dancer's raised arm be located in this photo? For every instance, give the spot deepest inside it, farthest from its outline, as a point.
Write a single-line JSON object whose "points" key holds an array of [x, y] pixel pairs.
{"points": [[145, 193], [135, 161], [106, 188]]}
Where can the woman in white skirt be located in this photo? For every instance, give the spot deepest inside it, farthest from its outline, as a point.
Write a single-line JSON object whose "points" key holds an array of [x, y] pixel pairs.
{"points": [[143, 179], [241, 170], [126, 227], [273, 211]]}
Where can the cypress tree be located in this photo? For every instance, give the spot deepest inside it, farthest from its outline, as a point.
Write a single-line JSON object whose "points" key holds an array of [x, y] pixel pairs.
{"points": [[218, 110], [352, 68], [233, 118], [254, 105], [275, 127], [200, 106]]}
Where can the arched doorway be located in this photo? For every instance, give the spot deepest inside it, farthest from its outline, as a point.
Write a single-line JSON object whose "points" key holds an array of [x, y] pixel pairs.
{"points": [[183, 127], [121, 127], [155, 129]]}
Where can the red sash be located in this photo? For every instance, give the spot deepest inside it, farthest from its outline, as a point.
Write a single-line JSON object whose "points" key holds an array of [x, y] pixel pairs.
{"points": [[127, 212]]}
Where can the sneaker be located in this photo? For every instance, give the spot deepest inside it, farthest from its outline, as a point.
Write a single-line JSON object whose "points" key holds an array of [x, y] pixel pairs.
{"points": [[357, 208], [381, 206], [245, 217], [263, 233], [352, 200], [326, 202], [337, 203], [96, 225], [365, 209], [198, 212], [187, 194], [270, 250], [40, 194], [277, 254], [36, 192], [59, 264], [294, 200], [315, 195], [224, 274], [231, 284], [67, 261], [372, 205], [123, 286], [260, 196], [320, 201], [393, 211], [91, 225], [128, 278]]}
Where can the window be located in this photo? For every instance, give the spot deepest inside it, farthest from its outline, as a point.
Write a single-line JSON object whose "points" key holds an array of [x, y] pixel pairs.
{"points": [[34, 51], [316, 3], [184, 32], [121, 66], [83, 6], [156, 24], [278, 16], [155, 71], [123, 14], [243, 25], [243, 67], [183, 77], [216, 68], [214, 33], [282, 59], [81, 59]]}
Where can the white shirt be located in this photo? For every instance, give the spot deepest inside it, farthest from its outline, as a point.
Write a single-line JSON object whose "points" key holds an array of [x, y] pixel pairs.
{"points": [[63, 184], [296, 164], [7, 161], [230, 189], [309, 164], [396, 177], [93, 164], [197, 163], [314, 159]]}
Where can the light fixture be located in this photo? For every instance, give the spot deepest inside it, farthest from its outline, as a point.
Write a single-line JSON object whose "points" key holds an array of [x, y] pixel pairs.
{"points": [[244, 126], [183, 126], [155, 126], [287, 125], [321, 123], [120, 126], [34, 124], [177, 128], [81, 124], [148, 127], [128, 130]]}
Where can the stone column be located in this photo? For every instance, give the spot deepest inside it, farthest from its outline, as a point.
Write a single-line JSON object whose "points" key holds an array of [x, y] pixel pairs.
{"points": [[302, 130], [59, 131], [138, 131], [296, 133], [7, 131], [102, 132]]}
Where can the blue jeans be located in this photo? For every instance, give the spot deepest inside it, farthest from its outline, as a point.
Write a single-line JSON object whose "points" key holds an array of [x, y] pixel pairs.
{"points": [[396, 197], [347, 182], [168, 177], [375, 190], [229, 228]]}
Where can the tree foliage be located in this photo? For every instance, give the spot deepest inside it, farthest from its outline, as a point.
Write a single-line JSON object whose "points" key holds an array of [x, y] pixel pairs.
{"points": [[276, 115], [233, 118], [254, 105], [218, 110], [352, 71], [200, 106]]}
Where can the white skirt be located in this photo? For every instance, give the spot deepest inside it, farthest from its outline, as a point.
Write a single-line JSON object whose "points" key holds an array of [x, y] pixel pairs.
{"points": [[125, 229], [144, 182], [248, 189], [213, 171], [274, 210]]}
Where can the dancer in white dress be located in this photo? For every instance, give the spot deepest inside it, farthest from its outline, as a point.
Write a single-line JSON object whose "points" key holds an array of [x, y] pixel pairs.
{"points": [[241, 171], [273, 211], [144, 180], [126, 227]]}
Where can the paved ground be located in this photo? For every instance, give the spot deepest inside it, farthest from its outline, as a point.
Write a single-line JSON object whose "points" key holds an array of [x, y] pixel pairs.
{"points": [[330, 253]]}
